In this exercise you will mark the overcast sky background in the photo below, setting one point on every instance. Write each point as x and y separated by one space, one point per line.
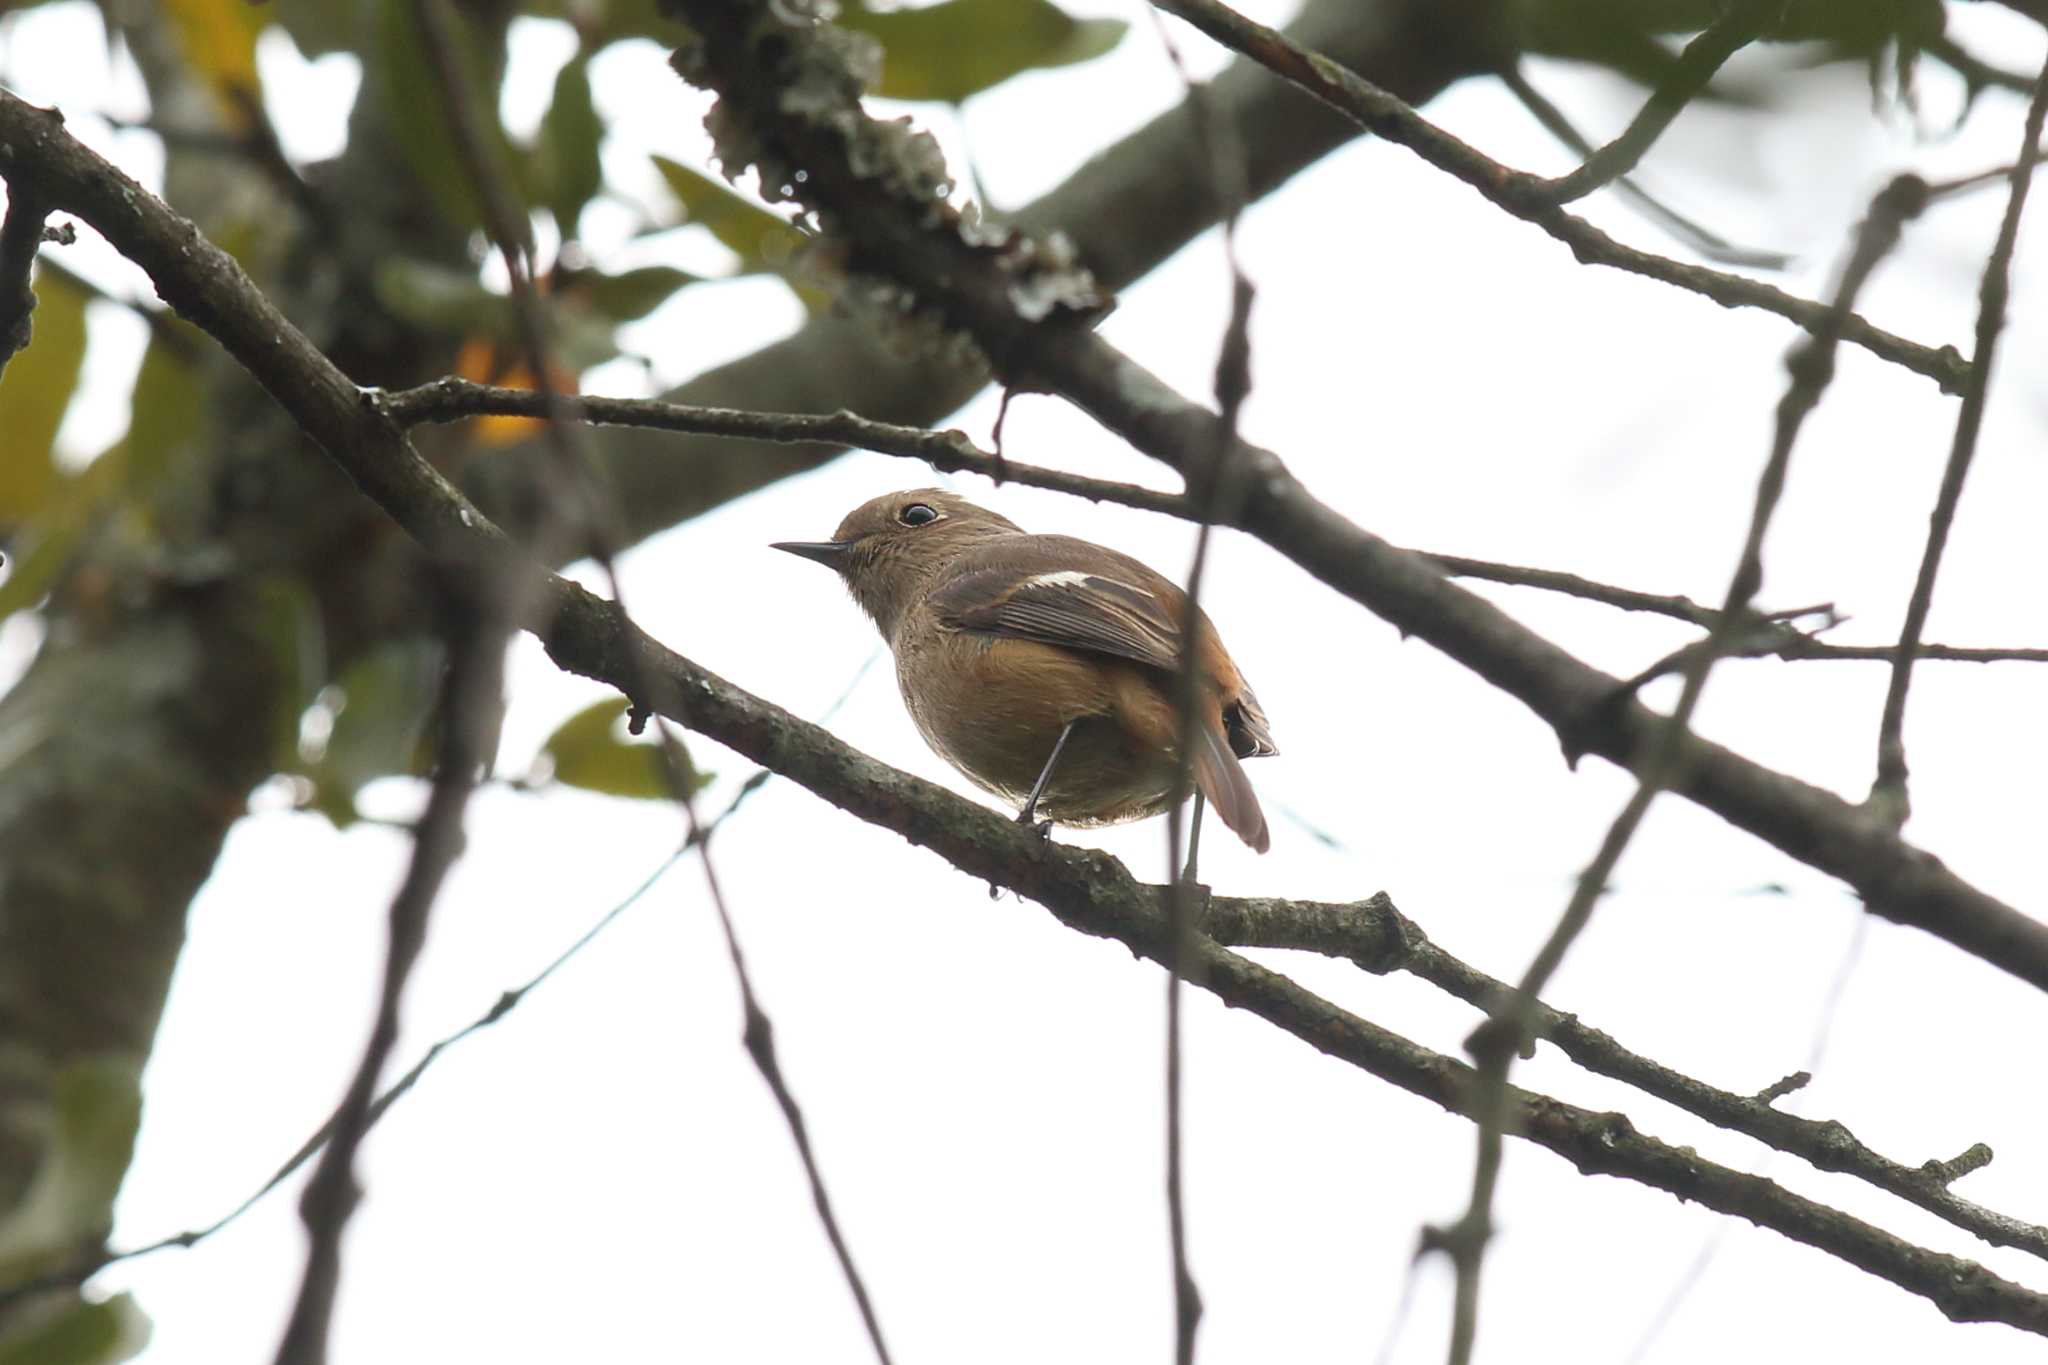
603 1176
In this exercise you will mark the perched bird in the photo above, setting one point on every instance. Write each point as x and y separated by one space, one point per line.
1046 668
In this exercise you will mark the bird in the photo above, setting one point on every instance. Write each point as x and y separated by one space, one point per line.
1046 668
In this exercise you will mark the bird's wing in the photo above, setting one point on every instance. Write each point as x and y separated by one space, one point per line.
1066 592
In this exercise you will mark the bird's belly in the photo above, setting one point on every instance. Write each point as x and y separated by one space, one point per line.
995 708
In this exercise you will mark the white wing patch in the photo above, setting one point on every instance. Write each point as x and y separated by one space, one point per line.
1073 578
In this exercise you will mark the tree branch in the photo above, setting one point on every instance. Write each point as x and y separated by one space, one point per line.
1888 794
1374 934
21 237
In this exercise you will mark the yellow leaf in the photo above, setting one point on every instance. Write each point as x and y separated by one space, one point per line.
219 39
480 361
34 393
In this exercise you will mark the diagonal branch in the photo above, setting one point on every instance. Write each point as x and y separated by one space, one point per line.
1888 794
1374 934
1689 75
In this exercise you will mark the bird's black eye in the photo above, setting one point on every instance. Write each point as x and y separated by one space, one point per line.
917 514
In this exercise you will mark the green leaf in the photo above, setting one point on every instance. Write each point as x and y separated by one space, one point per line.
566 170
34 394
958 48
417 109
386 699
78 1333
455 302
762 241
70 1199
628 295
587 751
319 27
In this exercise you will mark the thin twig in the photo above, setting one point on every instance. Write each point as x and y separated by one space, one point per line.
1210 483
1889 797
1738 26
1977 74
1526 196
1823 1030
578 468
951 452
469 705
1495 1045
1695 235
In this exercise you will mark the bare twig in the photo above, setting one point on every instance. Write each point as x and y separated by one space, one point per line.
1888 794
951 452
1977 74
1738 25
1695 235
576 468
468 710
1211 486
1528 197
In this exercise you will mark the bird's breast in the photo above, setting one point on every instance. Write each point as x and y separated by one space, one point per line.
994 708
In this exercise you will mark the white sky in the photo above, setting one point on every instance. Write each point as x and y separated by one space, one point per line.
602 1176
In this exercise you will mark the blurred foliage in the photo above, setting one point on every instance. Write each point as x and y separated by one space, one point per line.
65 1212
377 715
1636 40
959 48
587 750
218 37
35 393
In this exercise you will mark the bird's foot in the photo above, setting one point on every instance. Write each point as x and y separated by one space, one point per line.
1029 819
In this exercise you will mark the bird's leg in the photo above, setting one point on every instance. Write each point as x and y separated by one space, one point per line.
1029 815
1187 871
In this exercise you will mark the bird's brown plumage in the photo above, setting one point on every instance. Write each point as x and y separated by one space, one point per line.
1002 638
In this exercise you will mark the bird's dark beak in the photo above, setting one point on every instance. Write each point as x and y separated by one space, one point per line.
827 552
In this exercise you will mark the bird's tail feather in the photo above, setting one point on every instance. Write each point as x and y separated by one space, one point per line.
1221 778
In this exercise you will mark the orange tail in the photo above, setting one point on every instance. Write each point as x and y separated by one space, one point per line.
1221 778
